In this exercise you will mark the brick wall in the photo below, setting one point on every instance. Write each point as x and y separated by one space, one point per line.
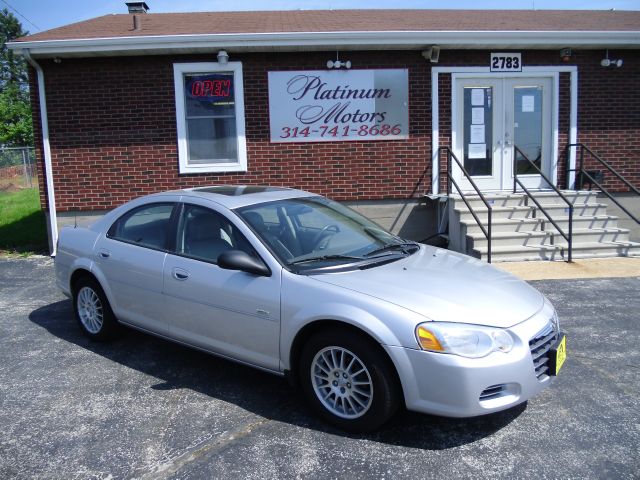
113 127
609 113
113 133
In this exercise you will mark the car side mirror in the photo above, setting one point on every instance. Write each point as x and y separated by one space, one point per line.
242 261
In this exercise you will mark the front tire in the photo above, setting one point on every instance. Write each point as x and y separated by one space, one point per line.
348 380
92 310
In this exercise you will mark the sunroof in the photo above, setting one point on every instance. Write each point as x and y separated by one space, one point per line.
235 190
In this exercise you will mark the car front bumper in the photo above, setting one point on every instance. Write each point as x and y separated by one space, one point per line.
454 386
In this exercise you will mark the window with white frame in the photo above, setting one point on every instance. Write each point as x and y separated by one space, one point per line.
210 117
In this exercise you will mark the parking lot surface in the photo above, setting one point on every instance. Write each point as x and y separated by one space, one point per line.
142 407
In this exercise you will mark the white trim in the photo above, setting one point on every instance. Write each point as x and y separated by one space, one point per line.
461 72
555 124
179 69
435 133
573 126
389 39
454 123
48 168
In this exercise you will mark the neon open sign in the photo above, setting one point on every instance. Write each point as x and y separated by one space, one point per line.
211 88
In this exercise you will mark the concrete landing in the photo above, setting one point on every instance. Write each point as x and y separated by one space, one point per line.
581 268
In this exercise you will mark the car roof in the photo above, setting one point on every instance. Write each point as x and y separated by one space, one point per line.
235 196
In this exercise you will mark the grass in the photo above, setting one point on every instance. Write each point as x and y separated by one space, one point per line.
22 223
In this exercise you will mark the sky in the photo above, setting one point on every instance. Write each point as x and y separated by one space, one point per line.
40 15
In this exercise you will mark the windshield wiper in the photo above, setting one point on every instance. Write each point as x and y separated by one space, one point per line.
393 246
325 257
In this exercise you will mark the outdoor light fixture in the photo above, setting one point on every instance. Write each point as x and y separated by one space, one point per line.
432 54
607 62
337 63
565 54
223 57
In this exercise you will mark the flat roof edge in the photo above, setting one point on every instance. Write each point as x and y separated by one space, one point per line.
445 39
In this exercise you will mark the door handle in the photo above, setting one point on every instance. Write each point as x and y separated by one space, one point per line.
104 253
180 274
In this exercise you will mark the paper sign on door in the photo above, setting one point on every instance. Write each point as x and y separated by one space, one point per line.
477 97
477 134
528 103
477 150
477 116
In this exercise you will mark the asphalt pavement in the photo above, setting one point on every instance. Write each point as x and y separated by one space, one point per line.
142 407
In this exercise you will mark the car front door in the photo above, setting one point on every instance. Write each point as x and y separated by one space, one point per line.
232 313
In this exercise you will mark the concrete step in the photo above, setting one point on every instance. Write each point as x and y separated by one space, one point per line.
521 231
520 199
536 238
539 224
510 212
559 252
582 197
555 210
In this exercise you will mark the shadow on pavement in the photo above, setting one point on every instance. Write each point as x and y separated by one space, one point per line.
179 367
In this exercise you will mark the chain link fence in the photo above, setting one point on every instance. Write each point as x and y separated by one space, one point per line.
17 168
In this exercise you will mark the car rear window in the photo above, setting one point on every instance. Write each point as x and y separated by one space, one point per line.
146 226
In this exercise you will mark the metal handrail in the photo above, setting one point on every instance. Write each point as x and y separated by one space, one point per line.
584 173
569 237
485 231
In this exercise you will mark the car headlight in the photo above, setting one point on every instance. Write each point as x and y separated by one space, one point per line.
461 339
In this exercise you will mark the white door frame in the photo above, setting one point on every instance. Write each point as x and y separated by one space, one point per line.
550 71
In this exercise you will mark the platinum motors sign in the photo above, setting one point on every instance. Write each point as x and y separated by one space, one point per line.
339 105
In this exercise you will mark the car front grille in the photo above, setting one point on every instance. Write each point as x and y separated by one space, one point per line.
540 346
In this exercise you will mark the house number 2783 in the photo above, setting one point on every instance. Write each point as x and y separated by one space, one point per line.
506 62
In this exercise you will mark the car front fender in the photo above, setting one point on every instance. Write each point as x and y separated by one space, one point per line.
306 302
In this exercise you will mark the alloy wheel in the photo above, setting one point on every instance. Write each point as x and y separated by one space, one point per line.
90 310
342 382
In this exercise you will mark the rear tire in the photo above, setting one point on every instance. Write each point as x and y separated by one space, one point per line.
348 380
92 310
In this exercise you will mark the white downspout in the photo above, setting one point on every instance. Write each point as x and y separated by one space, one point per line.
51 198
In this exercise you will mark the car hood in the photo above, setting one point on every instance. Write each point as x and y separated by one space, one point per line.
445 286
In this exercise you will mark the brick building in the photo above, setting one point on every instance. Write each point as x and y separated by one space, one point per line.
138 103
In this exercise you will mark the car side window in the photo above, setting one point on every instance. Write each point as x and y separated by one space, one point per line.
147 226
204 234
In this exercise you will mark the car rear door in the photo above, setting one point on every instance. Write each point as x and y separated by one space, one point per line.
232 313
131 257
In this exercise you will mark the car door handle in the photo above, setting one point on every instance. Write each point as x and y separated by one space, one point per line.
180 274
104 253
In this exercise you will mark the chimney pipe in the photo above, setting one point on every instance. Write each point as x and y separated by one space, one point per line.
137 7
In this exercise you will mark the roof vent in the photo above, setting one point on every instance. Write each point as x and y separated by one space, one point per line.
137 7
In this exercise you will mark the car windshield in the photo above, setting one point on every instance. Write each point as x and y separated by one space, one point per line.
314 232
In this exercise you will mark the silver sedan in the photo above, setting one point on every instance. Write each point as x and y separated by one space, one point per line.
293 283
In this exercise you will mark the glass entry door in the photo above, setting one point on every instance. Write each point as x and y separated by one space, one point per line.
491 116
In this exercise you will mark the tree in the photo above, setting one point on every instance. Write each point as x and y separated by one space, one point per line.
16 128
15 108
